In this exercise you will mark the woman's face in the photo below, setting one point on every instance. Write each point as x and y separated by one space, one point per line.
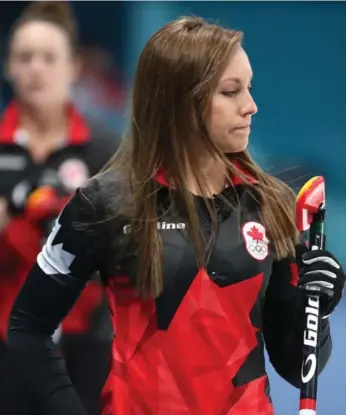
41 66
232 105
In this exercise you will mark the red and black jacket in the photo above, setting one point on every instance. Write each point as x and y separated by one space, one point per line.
198 349
33 190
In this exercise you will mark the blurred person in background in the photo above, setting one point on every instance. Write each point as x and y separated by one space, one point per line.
47 150
197 245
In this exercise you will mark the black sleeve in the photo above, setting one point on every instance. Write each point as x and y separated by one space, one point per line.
283 322
71 254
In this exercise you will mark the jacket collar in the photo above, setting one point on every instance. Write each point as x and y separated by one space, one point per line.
236 180
9 126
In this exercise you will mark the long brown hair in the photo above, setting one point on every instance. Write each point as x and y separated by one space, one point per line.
176 75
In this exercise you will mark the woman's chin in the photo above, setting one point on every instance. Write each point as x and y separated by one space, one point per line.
236 144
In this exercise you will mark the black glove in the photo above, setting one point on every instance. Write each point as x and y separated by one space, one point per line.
321 273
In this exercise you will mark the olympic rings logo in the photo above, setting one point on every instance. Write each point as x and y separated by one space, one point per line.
259 249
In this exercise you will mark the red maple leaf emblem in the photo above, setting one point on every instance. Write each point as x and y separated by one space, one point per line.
255 234
195 360
214 322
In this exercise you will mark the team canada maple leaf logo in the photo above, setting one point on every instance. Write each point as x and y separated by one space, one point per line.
256 241
255 234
